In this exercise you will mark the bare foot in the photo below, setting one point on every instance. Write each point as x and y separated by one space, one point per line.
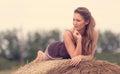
39 57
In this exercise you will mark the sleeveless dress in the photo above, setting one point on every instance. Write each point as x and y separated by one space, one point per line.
57 50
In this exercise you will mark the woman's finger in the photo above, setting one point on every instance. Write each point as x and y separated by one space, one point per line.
77 62
74 61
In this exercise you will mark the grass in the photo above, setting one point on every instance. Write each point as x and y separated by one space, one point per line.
109 56
7 64
6 71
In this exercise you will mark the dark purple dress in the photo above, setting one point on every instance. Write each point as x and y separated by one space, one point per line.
58 50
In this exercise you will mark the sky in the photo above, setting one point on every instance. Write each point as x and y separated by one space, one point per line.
37 15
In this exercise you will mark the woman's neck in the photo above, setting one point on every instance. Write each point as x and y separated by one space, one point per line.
82 31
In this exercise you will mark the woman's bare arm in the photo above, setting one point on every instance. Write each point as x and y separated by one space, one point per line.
76 60
72 50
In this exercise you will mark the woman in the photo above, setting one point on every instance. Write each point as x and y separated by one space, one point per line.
79 42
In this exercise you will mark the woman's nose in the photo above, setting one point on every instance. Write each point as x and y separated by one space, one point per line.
74 22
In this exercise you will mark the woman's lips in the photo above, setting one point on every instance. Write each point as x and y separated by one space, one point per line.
76 28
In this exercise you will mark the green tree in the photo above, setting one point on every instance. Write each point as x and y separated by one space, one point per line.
13 45
108 40
40 40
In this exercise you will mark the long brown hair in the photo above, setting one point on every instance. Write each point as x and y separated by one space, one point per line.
88 36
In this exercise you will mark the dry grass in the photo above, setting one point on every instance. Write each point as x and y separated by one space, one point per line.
6 71
63 67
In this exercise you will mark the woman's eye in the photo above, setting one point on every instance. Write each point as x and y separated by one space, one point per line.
78 20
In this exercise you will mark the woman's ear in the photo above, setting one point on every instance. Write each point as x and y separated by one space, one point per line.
86 22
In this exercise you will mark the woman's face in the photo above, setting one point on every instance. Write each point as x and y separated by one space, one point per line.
78 21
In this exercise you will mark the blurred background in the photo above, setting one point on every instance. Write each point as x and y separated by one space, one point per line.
27 26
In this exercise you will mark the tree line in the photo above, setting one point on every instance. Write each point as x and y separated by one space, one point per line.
15 46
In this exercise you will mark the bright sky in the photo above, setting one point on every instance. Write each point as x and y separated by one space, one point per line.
34 15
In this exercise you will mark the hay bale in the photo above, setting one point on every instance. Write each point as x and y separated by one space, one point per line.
63 67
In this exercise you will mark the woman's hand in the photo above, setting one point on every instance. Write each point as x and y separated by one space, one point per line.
75 60
77 35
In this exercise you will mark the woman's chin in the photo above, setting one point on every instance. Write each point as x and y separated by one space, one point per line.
77 29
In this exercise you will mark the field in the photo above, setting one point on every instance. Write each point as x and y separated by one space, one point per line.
6 71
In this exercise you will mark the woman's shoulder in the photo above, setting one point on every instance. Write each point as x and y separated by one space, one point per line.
68 33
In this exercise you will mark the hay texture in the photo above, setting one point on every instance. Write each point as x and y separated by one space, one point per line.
63 67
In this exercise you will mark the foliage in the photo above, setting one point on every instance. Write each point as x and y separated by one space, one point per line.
109 56
9 44
8 64
109 40
39 41
14 46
